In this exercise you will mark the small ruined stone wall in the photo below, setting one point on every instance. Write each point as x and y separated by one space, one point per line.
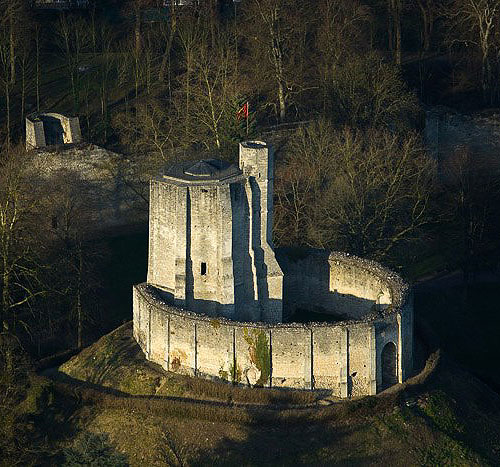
344 357
36 129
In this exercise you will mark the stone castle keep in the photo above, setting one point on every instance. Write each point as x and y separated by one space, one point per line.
210 237
220 301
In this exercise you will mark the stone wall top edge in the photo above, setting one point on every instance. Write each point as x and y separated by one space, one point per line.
36 115
255 144
400 289
149 294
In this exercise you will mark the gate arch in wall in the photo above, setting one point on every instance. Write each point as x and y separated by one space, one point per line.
357 355
389 365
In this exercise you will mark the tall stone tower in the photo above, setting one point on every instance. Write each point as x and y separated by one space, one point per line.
257 163
210 229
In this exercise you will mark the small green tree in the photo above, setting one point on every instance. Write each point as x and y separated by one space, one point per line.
91 449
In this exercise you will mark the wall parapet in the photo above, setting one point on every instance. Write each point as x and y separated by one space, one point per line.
345 357
337 283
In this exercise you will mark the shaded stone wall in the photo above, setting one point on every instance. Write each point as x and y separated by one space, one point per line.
332 283
343 357
92 174
256 160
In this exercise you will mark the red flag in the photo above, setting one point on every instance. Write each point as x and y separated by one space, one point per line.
243 112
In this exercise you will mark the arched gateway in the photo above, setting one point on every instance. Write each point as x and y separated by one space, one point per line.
389 365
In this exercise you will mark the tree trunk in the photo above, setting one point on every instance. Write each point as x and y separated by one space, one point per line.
37 38
12 51
278 65
137 32
23 88
79 298
486 77
394 29
5 297
426 32
188 92
282 101
7 105
166 54
390 27
397 31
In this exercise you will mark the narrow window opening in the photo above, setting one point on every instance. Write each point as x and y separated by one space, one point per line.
203 269
204 191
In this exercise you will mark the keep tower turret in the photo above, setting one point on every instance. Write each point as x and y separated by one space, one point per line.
256 160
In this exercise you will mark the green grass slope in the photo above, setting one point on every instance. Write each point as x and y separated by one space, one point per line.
451 419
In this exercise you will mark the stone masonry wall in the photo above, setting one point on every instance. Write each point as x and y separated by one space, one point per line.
343 286
344 357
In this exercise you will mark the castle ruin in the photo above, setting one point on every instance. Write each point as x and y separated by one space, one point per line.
220 302
51 129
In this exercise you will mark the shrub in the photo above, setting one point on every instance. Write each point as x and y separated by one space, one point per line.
92 449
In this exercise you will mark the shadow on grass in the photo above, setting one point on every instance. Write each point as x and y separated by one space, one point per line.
318 444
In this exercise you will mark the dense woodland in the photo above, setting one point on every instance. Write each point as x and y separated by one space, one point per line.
341 86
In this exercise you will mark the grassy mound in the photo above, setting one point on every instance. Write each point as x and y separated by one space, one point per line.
115 361
453 420
450 418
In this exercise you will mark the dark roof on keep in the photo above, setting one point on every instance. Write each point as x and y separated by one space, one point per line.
202 171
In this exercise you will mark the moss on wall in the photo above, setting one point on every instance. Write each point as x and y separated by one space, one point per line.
215 323
259 353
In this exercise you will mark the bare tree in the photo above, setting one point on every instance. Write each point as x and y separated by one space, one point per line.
38 39
366 192
71 204
190 36
279 34
339 36
430 10
473 22
73 39
168 32
395 8
215 87
150 131
367 91
26 70
19 201
13 17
